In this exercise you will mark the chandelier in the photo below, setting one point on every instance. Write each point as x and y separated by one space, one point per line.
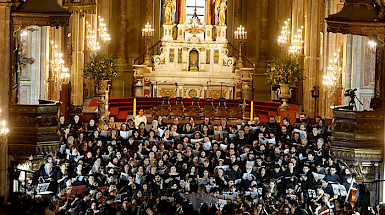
293 41
61 73
284 37
103 33
334 71
92 38
98 36
296 43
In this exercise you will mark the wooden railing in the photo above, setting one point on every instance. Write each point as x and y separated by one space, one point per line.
235 53
140 59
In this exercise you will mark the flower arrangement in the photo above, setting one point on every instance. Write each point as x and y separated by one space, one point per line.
100 68
284 70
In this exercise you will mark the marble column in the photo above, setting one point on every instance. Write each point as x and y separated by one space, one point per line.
149 12
379 90
264 31
5 61
209 11
182 9
311 52
78 24
122 33
237 13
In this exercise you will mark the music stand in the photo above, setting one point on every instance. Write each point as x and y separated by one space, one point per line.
42 188
78 190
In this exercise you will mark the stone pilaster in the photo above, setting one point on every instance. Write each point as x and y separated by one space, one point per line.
122 33
237 13
330 43
5 61
182 11
209 11
264 31
379 91
78 55
311 52
149 12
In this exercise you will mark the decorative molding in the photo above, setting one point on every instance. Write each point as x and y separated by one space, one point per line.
352 154
81 7
27 19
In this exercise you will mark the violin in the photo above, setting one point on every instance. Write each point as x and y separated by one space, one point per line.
318 198
63 197
113 193
101 200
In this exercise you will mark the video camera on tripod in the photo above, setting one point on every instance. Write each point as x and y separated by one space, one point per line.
352 94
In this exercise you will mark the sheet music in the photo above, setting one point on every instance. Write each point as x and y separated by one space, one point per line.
318 176
252 163
196 140
203 181
252 194
104 133
271 141
224 167
124 176
160 132
105 156
223 147
339 190
62 148
111 165
243 157
77 158
254 128
43 187
124 134
206 146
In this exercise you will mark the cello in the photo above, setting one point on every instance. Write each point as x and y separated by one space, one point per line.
352 193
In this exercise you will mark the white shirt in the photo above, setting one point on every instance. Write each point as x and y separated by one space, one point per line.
139 119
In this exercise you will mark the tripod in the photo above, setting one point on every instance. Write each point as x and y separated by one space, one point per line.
352 102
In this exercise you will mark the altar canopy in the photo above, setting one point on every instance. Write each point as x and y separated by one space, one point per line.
194 59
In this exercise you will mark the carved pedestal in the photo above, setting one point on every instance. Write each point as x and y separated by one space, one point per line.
167 32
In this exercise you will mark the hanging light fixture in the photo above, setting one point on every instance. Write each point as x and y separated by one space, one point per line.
98 36
92 40
103 33
60 72
293 41
334 71
284 37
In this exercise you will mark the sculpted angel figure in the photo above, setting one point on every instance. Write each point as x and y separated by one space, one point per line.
220 8
170 8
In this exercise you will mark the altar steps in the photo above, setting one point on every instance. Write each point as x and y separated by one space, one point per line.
153 106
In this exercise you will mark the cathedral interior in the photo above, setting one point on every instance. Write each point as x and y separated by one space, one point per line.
119 61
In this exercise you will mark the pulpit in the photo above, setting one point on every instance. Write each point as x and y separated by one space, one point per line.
358 141
33 129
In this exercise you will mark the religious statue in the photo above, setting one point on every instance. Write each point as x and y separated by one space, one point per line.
170 8
220 8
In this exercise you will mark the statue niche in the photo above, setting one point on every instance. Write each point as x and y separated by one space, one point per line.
193 60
